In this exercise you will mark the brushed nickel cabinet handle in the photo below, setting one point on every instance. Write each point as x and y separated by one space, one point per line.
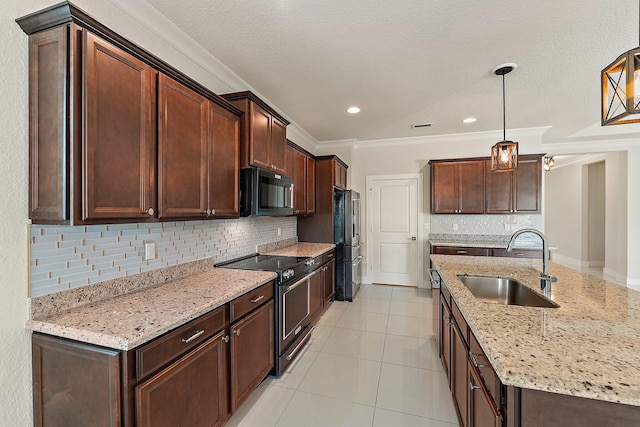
256 299
193 337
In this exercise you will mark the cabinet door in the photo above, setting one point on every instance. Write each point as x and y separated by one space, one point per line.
340 175
316 293
260 131
444 188
459 381
482 412
527 185
118 165
445 341
299 183
224 162
252 352
190 392
329 280
278 142
182 150
311 186
499 191
471 187
288 160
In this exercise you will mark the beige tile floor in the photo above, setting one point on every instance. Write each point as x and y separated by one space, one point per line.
371 363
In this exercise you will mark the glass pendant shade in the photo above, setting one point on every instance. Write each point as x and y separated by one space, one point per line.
621 89
504 156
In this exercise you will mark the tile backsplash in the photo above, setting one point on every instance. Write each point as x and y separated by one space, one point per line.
483 224
63 257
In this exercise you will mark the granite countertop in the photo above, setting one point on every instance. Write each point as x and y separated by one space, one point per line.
134 318
525 241
303 249
588 347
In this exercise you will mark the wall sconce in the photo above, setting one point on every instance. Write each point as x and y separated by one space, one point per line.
504 154
621 89
548 163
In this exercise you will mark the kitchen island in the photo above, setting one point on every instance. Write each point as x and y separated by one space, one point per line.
587 348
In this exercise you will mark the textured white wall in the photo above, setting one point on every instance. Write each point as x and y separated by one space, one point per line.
15 361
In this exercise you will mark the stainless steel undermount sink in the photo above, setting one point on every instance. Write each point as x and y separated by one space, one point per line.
504 290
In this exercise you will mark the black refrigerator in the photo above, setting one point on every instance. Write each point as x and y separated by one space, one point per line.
346 230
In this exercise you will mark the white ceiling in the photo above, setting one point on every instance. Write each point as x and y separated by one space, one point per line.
417 61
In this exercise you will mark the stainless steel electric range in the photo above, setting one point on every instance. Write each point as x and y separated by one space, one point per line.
292 312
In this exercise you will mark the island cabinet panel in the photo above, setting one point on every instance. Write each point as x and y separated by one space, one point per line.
182 150
482 410
75 384
252 352
445 338
190 392
457 187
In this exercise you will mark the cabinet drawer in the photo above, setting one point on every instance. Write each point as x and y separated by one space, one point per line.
159 352
459 250
481 363
251 300
328 256
517 253
462 324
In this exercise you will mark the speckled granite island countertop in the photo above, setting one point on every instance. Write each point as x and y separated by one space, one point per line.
589 347
134 318
303 249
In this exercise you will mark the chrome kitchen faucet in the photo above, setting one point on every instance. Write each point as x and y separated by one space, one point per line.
545 277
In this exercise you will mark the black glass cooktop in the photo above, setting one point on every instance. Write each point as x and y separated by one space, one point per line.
264 263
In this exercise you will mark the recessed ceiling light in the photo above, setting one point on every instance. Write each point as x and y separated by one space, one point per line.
469 120
353 110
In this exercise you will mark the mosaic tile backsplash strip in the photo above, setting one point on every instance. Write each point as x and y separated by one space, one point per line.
64 257
483 224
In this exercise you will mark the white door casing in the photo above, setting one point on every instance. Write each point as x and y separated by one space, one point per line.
395 238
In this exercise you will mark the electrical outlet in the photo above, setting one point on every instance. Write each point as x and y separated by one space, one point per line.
279 231
149 250
455 227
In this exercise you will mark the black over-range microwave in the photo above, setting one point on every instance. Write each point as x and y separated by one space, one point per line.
264 192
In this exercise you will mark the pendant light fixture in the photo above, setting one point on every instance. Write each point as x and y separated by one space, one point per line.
621 89
548 163
504 154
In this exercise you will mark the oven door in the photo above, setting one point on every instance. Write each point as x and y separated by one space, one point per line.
294 313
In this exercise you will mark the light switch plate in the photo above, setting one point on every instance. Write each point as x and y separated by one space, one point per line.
455 227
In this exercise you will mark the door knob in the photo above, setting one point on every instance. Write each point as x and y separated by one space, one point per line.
412 238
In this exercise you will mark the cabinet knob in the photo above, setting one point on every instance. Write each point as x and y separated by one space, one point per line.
150 211
213 212
225 338
473 387
237 332
207 212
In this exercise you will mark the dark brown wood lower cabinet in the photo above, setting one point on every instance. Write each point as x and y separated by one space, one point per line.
252 352
459 381
188 392
482 411
75 384
445 339
329 282
316 293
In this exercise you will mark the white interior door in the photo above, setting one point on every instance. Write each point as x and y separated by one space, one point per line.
393 230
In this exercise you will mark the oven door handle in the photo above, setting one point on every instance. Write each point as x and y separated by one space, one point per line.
286 289
302 342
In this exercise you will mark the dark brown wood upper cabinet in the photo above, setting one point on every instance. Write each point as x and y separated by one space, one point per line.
518 191
262 133
457 187
303 168
311 186
198 145
224 162
340 175
182 151
92 130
